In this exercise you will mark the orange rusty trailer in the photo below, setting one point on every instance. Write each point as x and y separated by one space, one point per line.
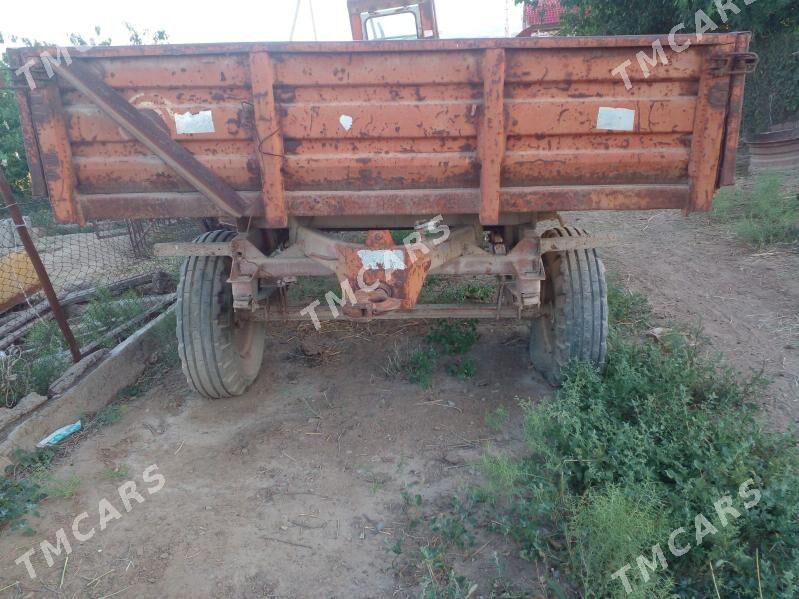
468 142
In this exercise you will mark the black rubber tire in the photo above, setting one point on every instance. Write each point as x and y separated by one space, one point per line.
574 302
220 355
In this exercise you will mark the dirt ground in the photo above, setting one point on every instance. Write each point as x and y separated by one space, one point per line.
695 272
293 489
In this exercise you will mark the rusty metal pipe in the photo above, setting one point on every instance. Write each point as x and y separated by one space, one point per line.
38 266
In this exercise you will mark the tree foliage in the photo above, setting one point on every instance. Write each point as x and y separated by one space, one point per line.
772 92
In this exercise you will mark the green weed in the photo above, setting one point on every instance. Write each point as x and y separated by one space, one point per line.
18 498
495 420
439 580
611 527
440 289
628 311
46 347
453 337
462 369
59 487
620 457
111 414
21 489
105 313
419 366
765 212
308 289
116 474
40 360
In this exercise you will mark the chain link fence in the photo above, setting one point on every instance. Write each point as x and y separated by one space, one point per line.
105 275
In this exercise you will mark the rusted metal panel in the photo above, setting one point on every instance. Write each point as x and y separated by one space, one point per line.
38 184
579 116
734 117
56 151
385 129
388 203
269 137
491 136
708 134
148 132
160 205
590 166
390 120
242 49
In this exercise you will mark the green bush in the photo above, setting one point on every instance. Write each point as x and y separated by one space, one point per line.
106 312
419 366
40 360
21 489
767 212
441 289
453 337
642 449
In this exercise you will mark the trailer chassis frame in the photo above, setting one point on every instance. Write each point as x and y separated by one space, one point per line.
381 279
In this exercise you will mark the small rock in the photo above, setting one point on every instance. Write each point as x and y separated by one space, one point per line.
452 458
310 347
657 333
164 556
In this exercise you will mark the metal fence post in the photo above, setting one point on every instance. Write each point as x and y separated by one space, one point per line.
38 266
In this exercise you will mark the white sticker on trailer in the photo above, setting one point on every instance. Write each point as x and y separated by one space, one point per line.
201 122
616 119
382 259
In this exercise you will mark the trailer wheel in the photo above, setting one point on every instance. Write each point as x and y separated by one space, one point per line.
574 306
220 354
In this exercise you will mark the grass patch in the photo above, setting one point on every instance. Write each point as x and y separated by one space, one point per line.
420 365
445 338
622 458
308 289
440 289
32 366
21 487
496 420
453 337
765 212
116 474
462 369
60 487
106 312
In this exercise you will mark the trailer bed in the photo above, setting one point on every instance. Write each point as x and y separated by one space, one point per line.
493 128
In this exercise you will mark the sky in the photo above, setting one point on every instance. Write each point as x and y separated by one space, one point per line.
231 20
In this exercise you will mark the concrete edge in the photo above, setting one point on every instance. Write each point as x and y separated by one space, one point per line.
123 365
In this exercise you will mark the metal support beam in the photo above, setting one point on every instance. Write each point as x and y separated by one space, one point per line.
154 137
422 311
491 135
38 266
269 139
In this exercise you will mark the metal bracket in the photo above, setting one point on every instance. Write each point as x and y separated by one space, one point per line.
733 63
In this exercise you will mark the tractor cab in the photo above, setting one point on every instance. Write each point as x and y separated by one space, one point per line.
391 20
